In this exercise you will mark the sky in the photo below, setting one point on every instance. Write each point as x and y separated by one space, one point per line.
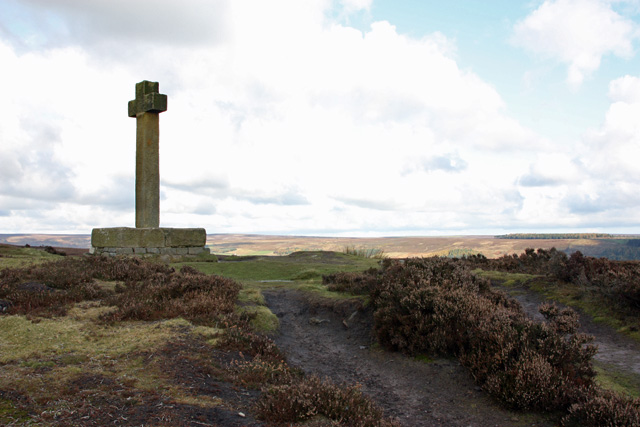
325 117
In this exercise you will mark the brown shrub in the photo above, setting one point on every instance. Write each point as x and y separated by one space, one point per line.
48 289
257 372
198 298
599 408
436 305
125 269
149 290
619 281
239 338
311 396
355 283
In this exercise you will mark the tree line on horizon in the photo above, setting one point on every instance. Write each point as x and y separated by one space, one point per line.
555 236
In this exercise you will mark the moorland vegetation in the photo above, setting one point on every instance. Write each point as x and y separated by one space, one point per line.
439 306
90 340
86 340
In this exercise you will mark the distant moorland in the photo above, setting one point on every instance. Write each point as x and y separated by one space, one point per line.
615 247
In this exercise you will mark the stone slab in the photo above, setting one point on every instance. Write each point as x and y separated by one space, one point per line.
185 237
127 237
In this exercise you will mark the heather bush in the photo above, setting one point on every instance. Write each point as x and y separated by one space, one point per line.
618 281
147 291
258 372
198 298
260 362
288 396
309 397
437 306
239 338
598 408
412 300
355 283
125 269
48 289
63 274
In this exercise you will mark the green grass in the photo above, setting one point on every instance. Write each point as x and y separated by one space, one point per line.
9 413
13 257
424 358
300 271
314 287
611 378
251 296
505 279
53 352
264 320
297 266
77 334
365 252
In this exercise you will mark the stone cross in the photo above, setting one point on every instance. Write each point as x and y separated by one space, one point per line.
146 108
148 239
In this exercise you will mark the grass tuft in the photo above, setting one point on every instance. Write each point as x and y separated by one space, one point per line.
365 252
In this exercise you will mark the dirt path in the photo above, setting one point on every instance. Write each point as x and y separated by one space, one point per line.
613 347
336 343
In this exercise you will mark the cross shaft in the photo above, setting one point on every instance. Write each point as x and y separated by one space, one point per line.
146 108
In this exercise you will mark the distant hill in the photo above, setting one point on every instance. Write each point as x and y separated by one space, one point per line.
59 240
613 247
616 247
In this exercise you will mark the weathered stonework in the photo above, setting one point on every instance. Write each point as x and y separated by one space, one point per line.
146 109
148 241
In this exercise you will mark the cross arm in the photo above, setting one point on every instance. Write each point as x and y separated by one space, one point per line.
148 99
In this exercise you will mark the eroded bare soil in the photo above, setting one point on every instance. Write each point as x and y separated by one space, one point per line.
335 341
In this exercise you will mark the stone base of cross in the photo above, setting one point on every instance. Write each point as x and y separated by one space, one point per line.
148 237
148 241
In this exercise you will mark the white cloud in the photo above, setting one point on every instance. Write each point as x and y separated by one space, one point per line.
625 89
613 149
552 169
592 183
606 178
282 121
59 23
578 33
354 5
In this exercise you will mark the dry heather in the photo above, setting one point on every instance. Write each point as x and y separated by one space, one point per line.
94 340
437 306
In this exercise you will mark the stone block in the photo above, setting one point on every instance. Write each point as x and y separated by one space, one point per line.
185 237
142 241
126 237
